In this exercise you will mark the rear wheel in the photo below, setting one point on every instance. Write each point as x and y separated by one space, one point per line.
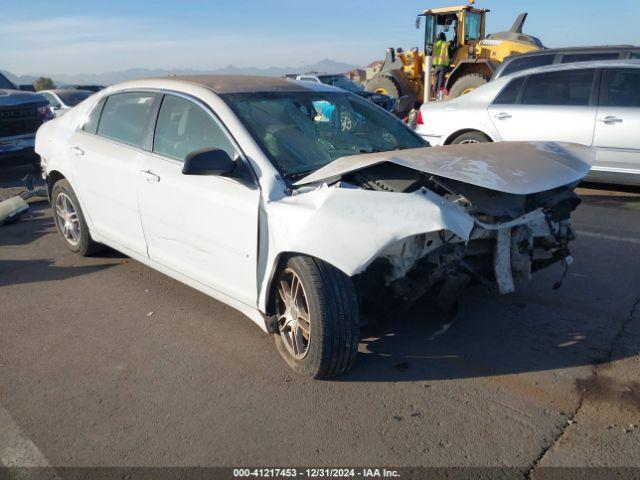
470 137
466 84
317 311
70 221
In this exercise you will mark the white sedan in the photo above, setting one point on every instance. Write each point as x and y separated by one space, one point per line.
64 99
303 206
591 103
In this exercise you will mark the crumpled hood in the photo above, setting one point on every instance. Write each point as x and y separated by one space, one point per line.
10 98
519 168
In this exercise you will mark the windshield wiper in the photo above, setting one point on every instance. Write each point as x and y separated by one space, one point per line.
296 175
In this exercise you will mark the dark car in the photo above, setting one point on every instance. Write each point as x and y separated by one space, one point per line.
341 81
21 113
542 58
91 88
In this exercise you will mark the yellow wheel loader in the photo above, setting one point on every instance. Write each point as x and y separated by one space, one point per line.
408 76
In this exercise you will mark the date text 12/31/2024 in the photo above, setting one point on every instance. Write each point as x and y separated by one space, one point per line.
315 473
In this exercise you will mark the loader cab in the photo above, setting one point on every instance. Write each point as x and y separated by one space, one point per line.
463 26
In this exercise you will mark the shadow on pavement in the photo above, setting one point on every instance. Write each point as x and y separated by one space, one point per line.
14 272
33 224
491 335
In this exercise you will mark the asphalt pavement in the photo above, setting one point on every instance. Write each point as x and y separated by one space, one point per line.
105 362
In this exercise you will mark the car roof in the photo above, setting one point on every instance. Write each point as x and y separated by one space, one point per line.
65 90
587 49
574 66
222 84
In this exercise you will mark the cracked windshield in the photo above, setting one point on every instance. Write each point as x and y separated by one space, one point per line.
304 131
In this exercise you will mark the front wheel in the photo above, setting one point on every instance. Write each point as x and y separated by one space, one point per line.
470 137
317 311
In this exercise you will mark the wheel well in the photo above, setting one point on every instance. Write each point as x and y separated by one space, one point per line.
278 265
453 136
53 177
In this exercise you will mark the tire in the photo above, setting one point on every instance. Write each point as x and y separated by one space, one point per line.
466 83
385 85
471 137
70 220
330 305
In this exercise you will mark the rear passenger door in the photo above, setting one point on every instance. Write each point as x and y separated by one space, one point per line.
108 152
617 135
551 106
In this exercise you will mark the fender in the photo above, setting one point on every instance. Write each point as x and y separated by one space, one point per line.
349 228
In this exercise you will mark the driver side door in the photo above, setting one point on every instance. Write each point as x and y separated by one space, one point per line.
202 226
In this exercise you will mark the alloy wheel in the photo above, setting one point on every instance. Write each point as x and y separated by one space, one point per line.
67 218
293 315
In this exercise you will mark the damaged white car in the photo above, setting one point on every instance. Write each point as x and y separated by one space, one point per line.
305 207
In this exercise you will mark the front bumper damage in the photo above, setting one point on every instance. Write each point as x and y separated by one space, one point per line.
497 255
405 224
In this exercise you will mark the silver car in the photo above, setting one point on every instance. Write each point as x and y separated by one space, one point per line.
591 103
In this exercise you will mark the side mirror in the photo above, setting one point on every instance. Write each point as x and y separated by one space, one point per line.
208 161
27 88
418 21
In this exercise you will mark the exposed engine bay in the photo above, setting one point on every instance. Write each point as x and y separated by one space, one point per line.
514 235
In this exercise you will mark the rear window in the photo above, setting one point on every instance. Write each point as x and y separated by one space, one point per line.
569 88
623 89
125 115
509 94
589 57
527 62
72 98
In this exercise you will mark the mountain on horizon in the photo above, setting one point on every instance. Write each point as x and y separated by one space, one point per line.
107 78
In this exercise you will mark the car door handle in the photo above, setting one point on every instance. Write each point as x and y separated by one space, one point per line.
502 116
150 176
609 120
77 150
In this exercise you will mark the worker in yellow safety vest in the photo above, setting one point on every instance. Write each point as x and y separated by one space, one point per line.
441 61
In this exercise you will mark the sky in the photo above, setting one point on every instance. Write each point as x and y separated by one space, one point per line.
95 36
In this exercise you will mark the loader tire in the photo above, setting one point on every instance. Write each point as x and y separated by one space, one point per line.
384 85
466 84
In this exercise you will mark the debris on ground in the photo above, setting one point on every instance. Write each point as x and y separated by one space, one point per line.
13 207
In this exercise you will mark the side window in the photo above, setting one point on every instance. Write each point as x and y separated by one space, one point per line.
125 116
589 57
51 99
635 54
623 89
567 87
91 123
524 63
184 127
509 94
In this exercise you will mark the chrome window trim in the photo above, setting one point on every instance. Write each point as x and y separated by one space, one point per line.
163 91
